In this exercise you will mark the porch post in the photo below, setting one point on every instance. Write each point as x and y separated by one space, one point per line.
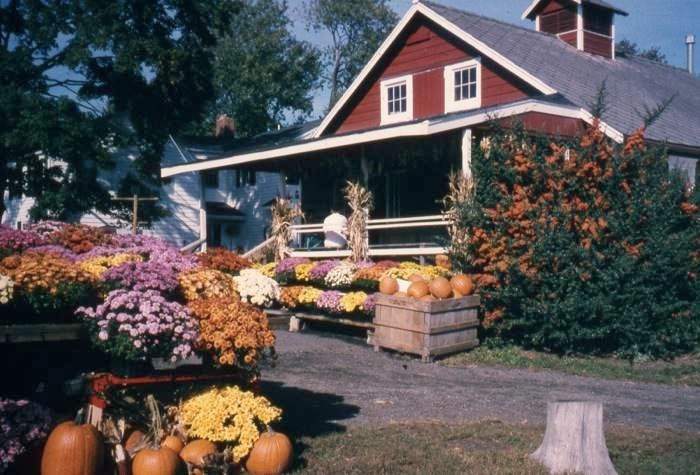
467 152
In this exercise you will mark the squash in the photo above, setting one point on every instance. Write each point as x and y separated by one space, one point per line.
388 286
173 442
161 461
195 451
136 441
462 284
271 455
440 288
418 289
73 449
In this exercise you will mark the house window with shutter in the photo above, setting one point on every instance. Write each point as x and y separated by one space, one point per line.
462 86
397 100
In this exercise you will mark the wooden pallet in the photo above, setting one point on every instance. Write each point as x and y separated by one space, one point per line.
427 329
38 333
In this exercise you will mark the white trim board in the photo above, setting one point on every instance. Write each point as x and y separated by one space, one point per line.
419 8
415 129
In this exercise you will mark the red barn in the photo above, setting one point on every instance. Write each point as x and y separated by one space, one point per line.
423 101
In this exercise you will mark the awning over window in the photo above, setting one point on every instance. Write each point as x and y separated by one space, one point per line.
223 211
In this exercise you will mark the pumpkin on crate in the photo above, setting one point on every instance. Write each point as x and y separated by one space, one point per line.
462 284
73 449
271 455
440 288
418 289
388 286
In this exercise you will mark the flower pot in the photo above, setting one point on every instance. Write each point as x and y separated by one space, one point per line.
164 364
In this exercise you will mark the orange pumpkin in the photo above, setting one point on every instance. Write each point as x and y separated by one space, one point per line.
271 455
427 298
388 286
73 449
441 260
418 289
162 461
402 295
195 451
173 442
416 278
463 284
440 288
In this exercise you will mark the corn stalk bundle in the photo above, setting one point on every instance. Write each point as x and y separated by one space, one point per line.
361 202
283 216
460 195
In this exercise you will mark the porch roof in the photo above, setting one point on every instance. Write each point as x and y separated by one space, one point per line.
303 144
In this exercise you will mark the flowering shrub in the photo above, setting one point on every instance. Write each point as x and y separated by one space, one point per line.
228 415
137 275
308 296
135 325
21 423
14 240
289 296
54 250
80 238
6 286
321 269
340 276
224 260
353 302
46 228
207 284
302 272
35 271
235 332
268 270
284 270
329 301
97 266
257 289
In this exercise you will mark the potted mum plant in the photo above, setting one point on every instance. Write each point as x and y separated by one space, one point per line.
139 327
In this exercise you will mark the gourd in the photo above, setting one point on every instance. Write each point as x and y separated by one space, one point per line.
195 451
440 288
156 459
271 455
173 442
73 449
418 289
462 284
160 461
388 286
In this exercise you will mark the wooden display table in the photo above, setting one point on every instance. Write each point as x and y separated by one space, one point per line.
427 329
40 332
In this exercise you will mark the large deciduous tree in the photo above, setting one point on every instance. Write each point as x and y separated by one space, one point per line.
630 48
263 76
68 66
356 29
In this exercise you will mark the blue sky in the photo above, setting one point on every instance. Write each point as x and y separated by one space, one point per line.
662 23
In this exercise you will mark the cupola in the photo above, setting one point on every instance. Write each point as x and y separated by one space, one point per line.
589 25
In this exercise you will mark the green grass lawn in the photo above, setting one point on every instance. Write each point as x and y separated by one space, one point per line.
483 448
682 371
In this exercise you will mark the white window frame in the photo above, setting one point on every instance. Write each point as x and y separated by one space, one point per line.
405 116
465 104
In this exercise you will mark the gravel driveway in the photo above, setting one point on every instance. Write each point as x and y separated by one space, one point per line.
324 383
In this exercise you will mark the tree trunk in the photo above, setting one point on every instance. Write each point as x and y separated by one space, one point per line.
574 440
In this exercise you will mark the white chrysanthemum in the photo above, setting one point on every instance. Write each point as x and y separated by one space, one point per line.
340 276
6 289
256 288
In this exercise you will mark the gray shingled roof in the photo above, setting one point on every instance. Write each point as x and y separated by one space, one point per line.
632 84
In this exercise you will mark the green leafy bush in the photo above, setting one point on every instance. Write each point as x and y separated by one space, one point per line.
586 247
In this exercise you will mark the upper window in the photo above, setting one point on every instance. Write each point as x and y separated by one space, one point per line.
397 100
245 177
462 86
211 178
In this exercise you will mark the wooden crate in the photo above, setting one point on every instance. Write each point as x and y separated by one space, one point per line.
427 329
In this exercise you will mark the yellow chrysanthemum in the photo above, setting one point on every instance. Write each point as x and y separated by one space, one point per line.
308 295
353 301
97 266
268 270
302 272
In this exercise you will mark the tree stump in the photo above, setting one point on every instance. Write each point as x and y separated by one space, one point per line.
574 440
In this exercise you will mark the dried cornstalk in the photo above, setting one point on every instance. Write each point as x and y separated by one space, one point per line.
460 193
360 201
283 216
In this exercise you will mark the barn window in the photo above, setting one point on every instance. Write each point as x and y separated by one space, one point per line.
397 100
462 88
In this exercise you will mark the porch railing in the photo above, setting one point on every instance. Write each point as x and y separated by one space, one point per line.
418 249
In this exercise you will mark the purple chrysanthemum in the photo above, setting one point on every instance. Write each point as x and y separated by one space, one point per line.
329 301
322 268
